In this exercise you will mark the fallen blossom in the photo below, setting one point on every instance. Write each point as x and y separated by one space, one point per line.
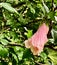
37 41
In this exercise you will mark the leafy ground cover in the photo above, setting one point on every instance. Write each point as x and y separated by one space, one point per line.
19 20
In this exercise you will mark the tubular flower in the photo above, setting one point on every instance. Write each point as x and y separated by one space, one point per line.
37 41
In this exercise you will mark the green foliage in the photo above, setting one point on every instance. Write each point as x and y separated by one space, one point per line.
8 7
19 20
28 33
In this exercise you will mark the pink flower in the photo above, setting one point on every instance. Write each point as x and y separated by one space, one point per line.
37 41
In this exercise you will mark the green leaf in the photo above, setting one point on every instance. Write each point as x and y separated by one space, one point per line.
54 35
28 33
51 40
53 56
20 55
27 54
55 1
32 10
55 18
8 7
51 15
42 8
44 56
1 36
15 57
3 52
4 42
46 8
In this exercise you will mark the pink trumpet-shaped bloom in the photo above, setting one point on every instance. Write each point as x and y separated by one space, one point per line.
37 41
